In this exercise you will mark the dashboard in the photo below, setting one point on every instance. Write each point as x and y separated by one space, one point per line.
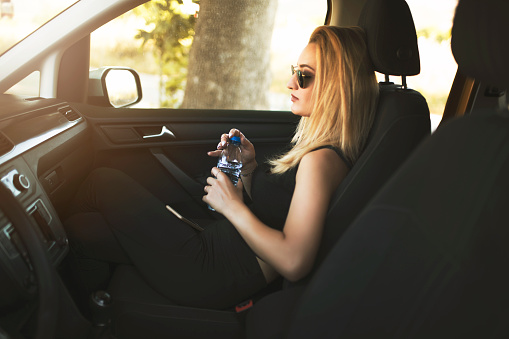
41 158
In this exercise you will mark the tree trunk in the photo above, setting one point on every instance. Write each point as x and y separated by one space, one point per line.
229 61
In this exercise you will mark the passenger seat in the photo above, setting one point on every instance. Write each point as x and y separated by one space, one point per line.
428 257
402 118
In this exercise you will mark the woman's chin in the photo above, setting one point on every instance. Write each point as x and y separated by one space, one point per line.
300 112
295 109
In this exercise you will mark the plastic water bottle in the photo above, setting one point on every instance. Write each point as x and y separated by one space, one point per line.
230 161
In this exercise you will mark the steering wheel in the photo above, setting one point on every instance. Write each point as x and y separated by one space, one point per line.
45 273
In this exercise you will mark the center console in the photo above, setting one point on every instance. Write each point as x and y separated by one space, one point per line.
27 137
20 180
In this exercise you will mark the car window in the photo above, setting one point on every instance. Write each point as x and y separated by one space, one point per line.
242 53
19 18
433 22
138 39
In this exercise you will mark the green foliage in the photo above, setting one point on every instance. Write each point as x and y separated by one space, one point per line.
170 35
435 34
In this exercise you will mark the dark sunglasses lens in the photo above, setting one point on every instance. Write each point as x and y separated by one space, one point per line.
300 78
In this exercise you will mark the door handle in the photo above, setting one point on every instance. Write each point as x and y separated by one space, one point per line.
164 131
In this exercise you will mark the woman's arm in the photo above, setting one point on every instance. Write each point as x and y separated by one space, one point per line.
246 175
292 251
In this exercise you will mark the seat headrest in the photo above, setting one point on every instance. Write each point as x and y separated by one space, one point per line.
479 42
391 37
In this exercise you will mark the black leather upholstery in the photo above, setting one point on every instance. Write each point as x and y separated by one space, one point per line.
402 122
428 257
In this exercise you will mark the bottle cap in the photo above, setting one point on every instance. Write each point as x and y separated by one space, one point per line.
235 140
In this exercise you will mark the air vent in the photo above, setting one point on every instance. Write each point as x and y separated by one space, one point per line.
69 113
5 145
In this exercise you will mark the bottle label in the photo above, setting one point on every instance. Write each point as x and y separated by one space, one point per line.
231 169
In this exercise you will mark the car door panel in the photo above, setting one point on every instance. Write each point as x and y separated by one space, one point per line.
174 164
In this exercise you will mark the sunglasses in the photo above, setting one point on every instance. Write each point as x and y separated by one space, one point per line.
300 76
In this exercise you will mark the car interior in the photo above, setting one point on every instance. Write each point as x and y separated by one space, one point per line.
413 243
402 121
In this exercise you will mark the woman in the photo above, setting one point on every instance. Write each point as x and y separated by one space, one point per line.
334 90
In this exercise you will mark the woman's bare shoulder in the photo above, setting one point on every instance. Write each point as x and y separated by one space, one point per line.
324 160
323 156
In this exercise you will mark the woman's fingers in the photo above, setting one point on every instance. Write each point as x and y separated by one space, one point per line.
234 132
220 146
224 140
238 133
243 140
216 174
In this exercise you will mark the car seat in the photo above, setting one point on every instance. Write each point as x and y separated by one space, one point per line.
401 122
402 118
428 256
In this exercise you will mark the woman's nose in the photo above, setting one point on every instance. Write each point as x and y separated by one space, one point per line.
292 83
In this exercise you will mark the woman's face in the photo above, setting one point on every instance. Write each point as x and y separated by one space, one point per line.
301 97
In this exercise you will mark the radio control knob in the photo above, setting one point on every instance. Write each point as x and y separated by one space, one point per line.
21 182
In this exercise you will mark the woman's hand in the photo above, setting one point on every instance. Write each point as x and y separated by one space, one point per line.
221 193
246 147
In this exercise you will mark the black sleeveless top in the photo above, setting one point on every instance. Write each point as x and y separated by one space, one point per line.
271 194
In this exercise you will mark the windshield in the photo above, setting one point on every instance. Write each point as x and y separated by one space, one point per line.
19 18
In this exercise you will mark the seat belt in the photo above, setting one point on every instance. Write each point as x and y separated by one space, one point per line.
193 187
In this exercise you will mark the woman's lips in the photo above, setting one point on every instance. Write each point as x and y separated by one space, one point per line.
294 98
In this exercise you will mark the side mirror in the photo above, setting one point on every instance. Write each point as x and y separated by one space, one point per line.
114 87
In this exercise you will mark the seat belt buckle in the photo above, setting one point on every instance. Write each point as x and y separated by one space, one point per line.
243 306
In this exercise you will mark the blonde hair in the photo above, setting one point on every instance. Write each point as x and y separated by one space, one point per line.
345 94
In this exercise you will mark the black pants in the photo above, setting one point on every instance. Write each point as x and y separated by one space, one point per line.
116 220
